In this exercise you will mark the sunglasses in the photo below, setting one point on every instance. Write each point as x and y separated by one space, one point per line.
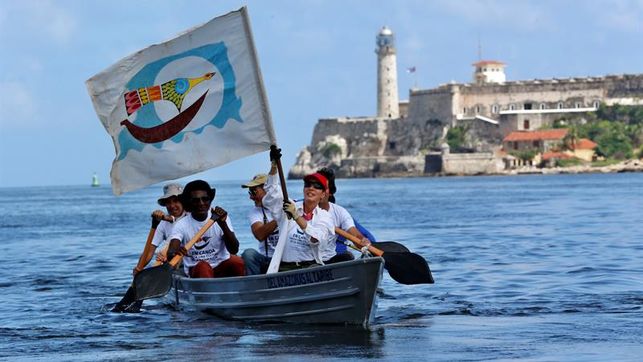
315 185
204 199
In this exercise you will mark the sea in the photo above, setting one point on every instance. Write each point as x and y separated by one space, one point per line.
533 267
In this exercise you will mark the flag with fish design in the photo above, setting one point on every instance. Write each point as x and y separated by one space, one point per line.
186 105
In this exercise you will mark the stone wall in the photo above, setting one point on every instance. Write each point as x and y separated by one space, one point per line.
471 163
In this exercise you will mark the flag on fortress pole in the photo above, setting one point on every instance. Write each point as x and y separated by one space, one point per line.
411 70
186 105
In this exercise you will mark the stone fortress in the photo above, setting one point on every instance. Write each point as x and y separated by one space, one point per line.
407 138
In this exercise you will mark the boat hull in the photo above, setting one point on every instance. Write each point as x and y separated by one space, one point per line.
341 293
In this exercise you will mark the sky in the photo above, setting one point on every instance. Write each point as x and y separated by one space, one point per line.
317 59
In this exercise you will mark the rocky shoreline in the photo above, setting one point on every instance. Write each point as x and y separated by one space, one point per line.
624 166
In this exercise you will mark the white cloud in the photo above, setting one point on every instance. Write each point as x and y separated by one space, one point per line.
623 15
42 19
518 15
16 104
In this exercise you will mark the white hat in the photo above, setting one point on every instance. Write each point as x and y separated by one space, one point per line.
170 190
259 179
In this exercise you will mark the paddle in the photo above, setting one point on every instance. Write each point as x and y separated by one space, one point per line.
404 267
390 246
157 281
130 295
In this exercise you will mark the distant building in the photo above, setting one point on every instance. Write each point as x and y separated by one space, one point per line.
489 71
397 140
387 94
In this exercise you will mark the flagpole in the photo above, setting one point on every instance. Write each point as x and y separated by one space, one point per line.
283 227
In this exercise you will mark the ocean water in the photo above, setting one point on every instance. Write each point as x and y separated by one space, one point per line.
540 268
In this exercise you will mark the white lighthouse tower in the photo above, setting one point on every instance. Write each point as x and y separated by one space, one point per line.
387 97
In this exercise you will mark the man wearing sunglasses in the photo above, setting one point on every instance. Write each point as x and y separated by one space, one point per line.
213 256
263 227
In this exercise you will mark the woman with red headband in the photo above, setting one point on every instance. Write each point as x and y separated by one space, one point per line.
310 236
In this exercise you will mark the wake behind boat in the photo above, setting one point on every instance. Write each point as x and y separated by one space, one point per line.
341 293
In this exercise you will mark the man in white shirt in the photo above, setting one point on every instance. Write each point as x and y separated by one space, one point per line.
263 227
213 255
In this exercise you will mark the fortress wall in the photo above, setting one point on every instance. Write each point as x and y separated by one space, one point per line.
346 127
363 136
471 163
549 92
412 135
480 99
431 104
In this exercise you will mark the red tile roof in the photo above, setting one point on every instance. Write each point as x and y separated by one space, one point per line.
487 62
558 155
584 144
546 134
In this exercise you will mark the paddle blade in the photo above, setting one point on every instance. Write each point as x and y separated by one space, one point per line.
390 246
153 282
128 299
407 268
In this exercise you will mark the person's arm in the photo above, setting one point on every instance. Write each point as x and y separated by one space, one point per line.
229 238
144 259
175 248
363 239
261 231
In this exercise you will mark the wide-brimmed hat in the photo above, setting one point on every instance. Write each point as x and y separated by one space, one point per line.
317 177
257 180
170 190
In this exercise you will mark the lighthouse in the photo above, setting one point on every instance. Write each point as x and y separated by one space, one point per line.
387 97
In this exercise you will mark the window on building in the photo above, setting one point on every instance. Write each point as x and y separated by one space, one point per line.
525 124
391 145
596 104
515 145
477 109
512 107
527 105
464 110
535 144
560 105
494 108
578 104
543 106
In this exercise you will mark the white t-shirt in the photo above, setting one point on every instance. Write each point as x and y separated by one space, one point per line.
299 246
164 230
342 220
210 248
257 215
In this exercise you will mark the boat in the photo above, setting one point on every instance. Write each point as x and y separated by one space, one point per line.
342 293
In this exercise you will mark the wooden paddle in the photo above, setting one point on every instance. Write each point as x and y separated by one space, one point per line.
130 295
404 267
157 281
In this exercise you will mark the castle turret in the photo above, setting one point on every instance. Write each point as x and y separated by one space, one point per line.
387 97
489 71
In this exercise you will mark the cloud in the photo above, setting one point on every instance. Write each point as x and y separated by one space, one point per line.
17 104
518 15
622 15
38 19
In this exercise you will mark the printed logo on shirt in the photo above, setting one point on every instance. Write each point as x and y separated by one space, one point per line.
205 239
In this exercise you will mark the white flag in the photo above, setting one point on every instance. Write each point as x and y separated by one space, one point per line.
184 106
